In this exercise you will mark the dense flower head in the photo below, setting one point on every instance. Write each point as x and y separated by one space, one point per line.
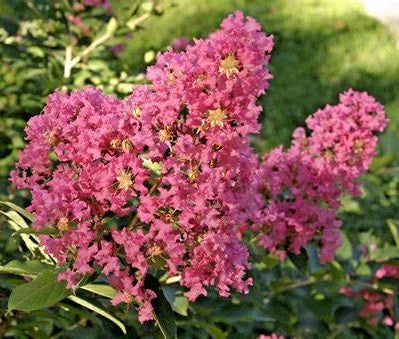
166 178
304 185
175 153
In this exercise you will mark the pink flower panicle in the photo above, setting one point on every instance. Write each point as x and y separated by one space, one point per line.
176 154
87 157
304 185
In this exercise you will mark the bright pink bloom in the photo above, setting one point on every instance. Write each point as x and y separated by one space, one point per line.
176 154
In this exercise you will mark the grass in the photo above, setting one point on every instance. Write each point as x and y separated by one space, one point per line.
322 47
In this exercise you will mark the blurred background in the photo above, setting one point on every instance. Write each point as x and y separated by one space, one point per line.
322 47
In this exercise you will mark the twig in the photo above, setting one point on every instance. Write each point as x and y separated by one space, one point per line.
298 284
71 63
67 64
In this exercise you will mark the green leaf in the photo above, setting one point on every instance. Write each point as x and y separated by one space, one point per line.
346 314
36 51
152 166
112 26
300 261
345 250
98 310
16 218
180 305
149 57
100 289
43 291
44 230
163 313
29 268
394 231
18 209
214 331
231 314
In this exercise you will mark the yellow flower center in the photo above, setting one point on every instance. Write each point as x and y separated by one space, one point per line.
124 180
193 173
358 146
229 65
126 145
174 75
136 112
200 78
165 134
216 117
115 143
127 298
62 224
52 138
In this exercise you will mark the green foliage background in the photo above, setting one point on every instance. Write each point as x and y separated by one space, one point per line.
322 47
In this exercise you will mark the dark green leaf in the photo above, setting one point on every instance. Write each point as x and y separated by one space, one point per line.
300 261
43 291
163 313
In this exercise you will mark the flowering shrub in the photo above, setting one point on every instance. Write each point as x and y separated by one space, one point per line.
379 305
172 163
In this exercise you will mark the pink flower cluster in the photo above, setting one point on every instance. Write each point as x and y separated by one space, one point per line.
378 306
173 164
303 185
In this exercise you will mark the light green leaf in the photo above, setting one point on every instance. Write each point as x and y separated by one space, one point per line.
100 289
29 268
45 230
180 305
98 310
18 209
345 251
394 231
16 218
43 291
112 26
36 51
149 57
152 166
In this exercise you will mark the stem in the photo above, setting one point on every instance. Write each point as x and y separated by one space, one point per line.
71 63
388 170
298 284
67 65
151 191
90 48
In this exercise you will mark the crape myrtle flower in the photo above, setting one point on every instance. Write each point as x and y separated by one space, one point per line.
303 185
173 162
86 160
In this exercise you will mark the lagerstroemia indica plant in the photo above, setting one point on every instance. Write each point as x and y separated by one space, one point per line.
173 162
